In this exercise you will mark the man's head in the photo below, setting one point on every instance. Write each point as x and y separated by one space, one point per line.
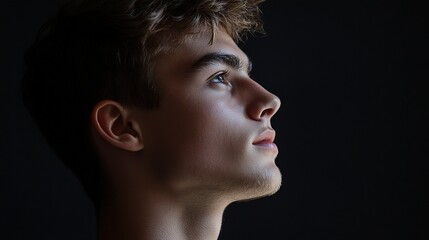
160 81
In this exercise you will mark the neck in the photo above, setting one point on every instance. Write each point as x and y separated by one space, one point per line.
155 215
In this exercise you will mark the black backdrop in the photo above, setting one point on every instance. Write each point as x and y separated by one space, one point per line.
352 129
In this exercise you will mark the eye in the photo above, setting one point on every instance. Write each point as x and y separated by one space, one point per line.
220 78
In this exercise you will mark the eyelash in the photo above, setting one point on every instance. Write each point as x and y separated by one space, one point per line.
223 75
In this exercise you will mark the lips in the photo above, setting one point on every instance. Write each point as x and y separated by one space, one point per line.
266 137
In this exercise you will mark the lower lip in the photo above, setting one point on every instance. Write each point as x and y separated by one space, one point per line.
267 145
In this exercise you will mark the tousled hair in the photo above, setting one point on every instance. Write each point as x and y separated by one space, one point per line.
105 49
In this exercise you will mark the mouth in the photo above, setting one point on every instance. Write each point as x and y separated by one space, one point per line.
266 140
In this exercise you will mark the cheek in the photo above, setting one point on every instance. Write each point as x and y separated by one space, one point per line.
202 136
217 125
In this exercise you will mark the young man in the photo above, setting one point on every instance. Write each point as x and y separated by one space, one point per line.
150 103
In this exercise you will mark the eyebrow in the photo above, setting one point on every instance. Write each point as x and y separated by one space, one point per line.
220 58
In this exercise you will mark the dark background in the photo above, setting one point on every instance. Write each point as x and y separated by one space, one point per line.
352 130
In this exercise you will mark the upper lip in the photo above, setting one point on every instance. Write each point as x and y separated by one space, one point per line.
266 136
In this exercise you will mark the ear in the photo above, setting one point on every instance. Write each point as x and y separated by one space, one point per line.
114 124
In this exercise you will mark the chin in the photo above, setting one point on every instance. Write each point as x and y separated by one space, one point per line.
262 185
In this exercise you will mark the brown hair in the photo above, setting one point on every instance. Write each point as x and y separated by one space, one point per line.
105 49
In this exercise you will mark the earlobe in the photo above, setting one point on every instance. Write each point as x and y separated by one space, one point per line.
114 124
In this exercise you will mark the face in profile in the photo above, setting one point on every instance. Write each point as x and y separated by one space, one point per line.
212 130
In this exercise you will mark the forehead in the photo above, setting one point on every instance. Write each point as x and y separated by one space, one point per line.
181 57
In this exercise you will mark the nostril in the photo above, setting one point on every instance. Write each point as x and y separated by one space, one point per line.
262 104
267 112
271 108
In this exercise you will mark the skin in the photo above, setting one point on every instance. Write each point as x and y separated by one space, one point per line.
171 172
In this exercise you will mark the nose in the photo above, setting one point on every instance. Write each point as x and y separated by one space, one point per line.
262 103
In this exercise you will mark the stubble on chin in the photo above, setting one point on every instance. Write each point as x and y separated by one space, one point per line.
261 185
